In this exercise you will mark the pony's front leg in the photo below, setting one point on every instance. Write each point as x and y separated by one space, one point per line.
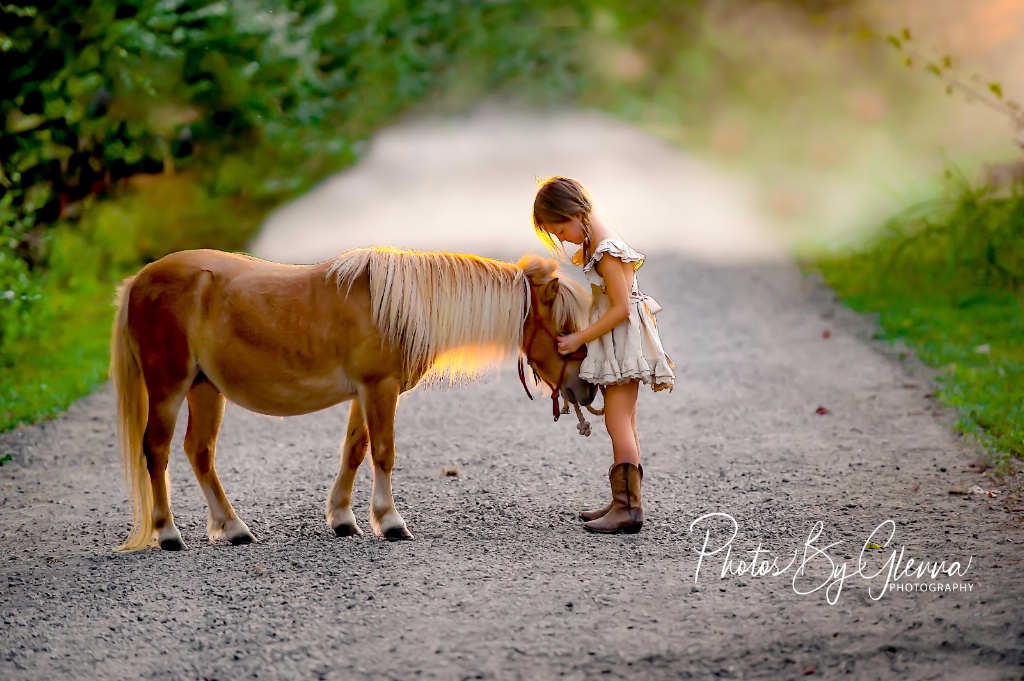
339 502
380 401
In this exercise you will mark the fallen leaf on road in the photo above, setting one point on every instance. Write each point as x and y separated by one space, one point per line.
826 334
974 489
869 545
822 410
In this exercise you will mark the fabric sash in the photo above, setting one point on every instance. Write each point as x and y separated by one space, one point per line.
653 306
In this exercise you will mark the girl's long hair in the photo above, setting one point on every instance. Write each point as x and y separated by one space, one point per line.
558 200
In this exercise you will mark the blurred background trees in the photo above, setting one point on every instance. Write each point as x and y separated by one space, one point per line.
248 97
129 129
202 115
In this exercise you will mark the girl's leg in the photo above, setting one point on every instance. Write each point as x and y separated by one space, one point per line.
617 398
620 420
636 433
626 511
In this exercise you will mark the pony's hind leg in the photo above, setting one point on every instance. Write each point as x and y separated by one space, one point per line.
339 502
156 446
380 400
205 414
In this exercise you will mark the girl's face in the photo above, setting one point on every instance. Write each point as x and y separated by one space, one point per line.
571 230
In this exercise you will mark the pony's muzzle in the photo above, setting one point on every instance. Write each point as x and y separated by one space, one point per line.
578 391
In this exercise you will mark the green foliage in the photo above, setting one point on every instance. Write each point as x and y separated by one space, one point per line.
131 129
19 289
945 68
95 92
972 241
948 279
65 356
197 117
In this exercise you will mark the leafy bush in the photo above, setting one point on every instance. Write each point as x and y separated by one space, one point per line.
968 241
197 117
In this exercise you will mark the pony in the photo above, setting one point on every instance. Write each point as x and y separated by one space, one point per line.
206 326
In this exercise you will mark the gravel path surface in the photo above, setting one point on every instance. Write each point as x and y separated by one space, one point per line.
501 580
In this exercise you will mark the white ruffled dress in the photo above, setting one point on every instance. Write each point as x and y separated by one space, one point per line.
632 350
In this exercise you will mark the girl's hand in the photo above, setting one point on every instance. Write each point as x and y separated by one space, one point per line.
569 344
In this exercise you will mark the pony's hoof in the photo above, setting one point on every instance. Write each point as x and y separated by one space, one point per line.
242 540
348 531
398 533
172 544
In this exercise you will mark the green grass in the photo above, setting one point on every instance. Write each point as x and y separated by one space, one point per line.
65 355
64 362
947 278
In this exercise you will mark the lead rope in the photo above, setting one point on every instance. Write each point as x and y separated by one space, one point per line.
598 412
584 425
528 305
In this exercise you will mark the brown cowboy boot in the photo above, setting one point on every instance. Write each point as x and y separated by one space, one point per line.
597 512
627 511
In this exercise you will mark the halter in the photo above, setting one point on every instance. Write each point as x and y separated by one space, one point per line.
579 354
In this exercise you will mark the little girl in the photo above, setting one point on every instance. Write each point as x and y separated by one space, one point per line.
623 346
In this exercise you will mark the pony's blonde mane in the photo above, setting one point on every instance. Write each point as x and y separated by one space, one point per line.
571 303
457 314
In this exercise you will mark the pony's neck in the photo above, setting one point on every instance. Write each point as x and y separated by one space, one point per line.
458 314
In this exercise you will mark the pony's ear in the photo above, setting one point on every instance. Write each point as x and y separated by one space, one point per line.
550 291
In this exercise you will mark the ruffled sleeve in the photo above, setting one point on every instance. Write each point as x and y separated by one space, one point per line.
618 248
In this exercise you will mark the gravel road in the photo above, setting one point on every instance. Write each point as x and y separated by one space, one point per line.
501 580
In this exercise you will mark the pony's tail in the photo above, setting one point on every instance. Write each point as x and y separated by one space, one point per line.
132 415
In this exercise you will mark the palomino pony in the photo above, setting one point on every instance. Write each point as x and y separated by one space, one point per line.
282 340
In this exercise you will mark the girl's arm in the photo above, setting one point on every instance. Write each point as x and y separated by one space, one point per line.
613 271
